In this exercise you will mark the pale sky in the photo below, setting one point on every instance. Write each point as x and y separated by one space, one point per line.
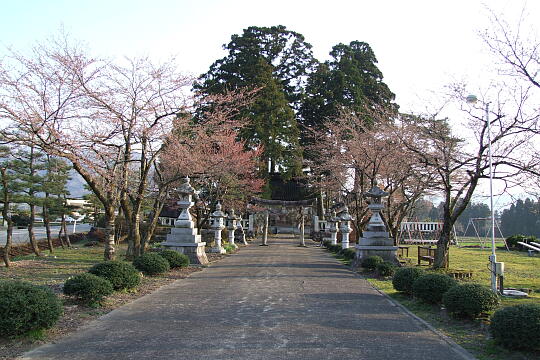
421 45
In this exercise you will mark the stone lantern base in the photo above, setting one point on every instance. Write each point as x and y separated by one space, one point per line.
187 242
195 251
376 243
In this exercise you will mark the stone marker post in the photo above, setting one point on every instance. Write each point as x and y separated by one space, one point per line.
333 225
265 231
345 228
302 235
231 226
217 226
183 237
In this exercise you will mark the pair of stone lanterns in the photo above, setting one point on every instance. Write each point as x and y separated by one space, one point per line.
345 227
234 223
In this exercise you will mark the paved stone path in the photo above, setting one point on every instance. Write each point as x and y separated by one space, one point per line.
276 302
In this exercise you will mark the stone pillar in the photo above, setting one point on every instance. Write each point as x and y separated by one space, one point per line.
240 229
302 240
265 230
217 226
315 221
183 237
231 226
345 228
333 225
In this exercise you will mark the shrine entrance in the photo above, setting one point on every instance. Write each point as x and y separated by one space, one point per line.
285 217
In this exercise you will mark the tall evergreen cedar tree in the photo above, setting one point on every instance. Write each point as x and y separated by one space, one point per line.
350 80
277 61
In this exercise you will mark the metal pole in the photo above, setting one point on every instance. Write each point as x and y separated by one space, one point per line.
493 257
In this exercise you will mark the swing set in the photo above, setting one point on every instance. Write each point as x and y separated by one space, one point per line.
477 224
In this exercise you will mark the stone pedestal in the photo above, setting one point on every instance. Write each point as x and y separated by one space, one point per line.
375 239
183 237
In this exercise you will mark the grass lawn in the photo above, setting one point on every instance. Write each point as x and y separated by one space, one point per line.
55 268
521 271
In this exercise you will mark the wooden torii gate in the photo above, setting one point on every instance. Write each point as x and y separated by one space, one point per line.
283 203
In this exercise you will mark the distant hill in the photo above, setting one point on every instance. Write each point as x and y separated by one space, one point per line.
76 185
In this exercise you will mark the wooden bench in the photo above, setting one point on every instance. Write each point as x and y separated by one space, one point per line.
427 253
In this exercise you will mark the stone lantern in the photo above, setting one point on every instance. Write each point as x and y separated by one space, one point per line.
345 228
333 227
241 232
231 226
375 240
184 237
217 226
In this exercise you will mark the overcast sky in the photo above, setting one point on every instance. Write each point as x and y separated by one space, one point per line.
421 45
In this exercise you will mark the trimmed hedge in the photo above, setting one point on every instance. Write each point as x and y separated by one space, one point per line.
469 300
386 268
174 258
371 262
512 241
88 287
25 307
517 327
404 278
431 287
151 264
122 275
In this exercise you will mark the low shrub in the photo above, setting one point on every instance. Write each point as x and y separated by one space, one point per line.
469 300
371 262
151 264
404 278
517 327
122 275
326 243
513 240
26 307
386 268
229 248
348 253
334 248
431 287
88 287
174 258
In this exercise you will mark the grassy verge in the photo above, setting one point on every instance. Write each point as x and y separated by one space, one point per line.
521 271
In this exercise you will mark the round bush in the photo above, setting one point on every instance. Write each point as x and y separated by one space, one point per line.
371 262
431 287
122 275
404 278
25 307
151 264
347 254
469 300
517 327
87 287
174 258
386 268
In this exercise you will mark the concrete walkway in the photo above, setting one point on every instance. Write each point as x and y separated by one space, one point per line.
276 302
